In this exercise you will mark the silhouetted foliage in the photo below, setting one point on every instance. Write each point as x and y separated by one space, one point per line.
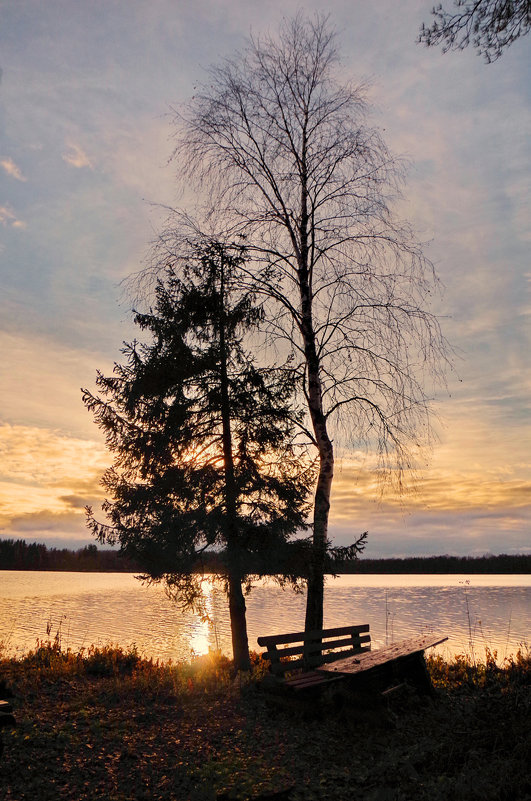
488 25
206 458
288 161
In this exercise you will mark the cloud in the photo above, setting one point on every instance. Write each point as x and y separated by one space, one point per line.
46 473
467 189
30 454
11 168
62 530
40 379
44 520
76 156
80 501
431 532
357 488
444 511
9 218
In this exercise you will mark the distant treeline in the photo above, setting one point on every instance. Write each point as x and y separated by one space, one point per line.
504 563
18 555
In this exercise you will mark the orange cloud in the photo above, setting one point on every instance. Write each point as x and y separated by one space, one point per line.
76 156
43 472
357 488
11 169
8 217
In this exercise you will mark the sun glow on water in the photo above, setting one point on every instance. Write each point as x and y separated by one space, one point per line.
201 636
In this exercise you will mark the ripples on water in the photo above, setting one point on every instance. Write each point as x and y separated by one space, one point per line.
98 608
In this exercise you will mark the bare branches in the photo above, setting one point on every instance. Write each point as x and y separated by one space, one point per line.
288 161
489 25
285 156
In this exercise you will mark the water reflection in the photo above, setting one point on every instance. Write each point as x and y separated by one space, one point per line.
83 609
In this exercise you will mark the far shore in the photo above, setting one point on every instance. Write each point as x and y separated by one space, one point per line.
19 555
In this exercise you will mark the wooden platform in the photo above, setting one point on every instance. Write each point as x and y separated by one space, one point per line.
385 668
372 659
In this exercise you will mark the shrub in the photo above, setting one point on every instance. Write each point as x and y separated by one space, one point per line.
110 660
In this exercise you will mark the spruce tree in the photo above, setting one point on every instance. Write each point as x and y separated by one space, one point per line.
206 462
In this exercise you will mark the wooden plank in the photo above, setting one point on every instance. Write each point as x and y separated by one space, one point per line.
306 680
313 662
301 636
346 642
370 659
286 667
345 654
311 679
318 648
5 706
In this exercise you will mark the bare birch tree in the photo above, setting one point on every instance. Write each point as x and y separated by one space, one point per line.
283 152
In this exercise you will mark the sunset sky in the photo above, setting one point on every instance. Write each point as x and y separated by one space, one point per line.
86 95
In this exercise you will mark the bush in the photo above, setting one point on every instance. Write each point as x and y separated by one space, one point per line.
110 660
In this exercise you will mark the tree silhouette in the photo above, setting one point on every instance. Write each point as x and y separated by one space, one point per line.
489 25
283 151
206 460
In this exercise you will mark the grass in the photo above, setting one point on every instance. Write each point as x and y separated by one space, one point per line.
106 724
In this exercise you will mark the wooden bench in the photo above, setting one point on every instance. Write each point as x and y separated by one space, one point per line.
305 651
6 719
320 657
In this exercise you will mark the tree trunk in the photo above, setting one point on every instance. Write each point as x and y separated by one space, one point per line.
315 596
238 622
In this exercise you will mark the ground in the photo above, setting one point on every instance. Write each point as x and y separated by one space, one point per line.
107 725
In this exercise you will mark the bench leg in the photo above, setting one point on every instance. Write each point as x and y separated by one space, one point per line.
420 676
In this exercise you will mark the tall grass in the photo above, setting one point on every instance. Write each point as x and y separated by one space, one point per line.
210 672
466 670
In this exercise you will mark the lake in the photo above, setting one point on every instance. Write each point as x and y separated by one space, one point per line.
475 612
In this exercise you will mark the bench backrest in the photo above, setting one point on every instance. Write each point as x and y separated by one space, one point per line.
310 649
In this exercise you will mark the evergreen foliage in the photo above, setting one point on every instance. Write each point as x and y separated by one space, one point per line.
205 455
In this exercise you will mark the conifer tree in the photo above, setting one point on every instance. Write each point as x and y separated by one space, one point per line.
206 461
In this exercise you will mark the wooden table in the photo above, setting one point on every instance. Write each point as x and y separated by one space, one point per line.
402 660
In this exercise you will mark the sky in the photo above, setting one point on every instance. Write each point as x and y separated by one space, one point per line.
86 98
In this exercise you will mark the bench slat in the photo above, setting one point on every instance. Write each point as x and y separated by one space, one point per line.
318 648
308 680
308 650
302 636
278 667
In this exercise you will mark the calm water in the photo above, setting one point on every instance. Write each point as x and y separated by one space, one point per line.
85 608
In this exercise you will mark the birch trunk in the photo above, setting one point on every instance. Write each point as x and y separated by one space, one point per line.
315 594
